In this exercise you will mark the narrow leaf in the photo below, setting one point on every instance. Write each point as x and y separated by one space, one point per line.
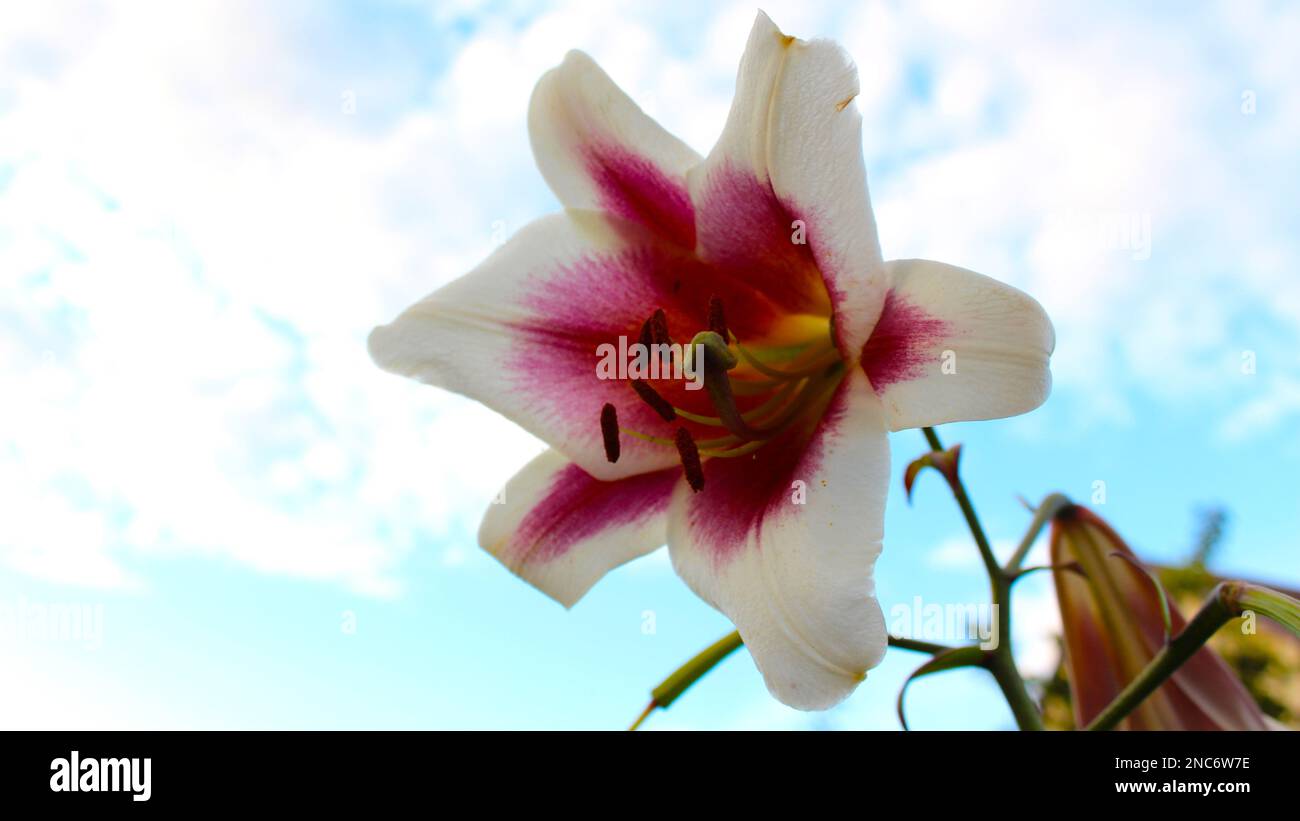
947 660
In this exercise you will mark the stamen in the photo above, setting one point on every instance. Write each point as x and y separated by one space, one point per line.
821 356
690 459
755 387
775 401
652 398
698 418
659 328
819 366
807 397
809 376
719 388
751 415
812 393
609 431
717 319
721 443
742 450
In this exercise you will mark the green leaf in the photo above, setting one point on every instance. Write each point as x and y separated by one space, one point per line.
947 660
944 461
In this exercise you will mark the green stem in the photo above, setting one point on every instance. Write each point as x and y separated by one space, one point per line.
1023 708
1001 663
967 510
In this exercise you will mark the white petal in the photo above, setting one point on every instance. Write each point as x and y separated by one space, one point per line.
561 530
521 332
952 345
598 150
796 579
792 151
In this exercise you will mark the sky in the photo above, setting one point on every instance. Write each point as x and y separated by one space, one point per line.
205 207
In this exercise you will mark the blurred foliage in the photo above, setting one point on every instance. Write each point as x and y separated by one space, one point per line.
1268 660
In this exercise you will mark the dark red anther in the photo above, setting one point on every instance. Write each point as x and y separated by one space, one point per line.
652 398
690 455
659 328
717 319
647 336
609 431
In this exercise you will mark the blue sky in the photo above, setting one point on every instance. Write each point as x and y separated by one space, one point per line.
203 210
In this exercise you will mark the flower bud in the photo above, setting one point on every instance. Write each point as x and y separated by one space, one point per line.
1114 618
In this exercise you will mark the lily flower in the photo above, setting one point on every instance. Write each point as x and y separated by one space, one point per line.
1114 618
769 485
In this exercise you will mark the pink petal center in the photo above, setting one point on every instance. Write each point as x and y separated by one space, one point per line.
901 346
577 507
637 190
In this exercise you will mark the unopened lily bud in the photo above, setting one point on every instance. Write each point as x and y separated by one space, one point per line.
1114 619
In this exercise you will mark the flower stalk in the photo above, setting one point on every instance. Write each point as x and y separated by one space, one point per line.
1229 600
1000 662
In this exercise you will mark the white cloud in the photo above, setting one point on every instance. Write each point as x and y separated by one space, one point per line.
1037 119
196 254
1262 414
1036 623
959 553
